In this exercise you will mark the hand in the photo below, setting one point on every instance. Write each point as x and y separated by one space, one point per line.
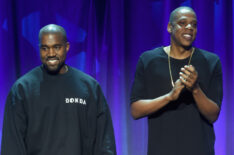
188 77
176 90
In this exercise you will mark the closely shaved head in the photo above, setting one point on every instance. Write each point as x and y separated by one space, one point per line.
52 28
182 9
182 27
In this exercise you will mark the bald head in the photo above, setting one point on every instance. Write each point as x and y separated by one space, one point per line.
174 14
53 29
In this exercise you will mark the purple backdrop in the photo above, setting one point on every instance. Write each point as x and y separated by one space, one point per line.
107 37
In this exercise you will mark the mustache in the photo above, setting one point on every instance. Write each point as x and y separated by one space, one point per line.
52 58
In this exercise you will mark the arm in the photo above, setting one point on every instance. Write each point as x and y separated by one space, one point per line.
14 128
105 140
207 107
143 108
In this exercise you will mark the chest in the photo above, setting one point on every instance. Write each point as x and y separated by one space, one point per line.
53 98
160 73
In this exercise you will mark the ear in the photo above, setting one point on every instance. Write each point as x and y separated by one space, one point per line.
67 46
169 28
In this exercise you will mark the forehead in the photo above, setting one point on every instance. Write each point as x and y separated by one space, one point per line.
185 14
52 38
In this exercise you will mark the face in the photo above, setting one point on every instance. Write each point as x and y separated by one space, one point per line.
53 51
184 28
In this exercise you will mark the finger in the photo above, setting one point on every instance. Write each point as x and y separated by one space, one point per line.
183 80
180 87
185 71
187 83
185 77
190 68
179 84
193 71
192 77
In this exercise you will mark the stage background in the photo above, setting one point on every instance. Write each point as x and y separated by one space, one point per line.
107 38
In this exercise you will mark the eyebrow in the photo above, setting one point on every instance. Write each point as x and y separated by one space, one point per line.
183 17
43 45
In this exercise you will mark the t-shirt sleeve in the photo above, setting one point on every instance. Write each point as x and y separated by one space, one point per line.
215 91
138 88
14 126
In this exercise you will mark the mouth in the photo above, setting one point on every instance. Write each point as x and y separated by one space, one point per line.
52 61
187 36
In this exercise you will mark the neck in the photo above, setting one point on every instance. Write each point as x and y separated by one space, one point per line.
179 52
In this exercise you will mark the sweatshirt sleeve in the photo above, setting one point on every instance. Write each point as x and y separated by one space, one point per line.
14 126
105 140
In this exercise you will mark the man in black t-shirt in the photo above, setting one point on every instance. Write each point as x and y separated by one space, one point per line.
179 89
56 109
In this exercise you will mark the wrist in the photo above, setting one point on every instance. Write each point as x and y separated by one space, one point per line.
196 88
168 97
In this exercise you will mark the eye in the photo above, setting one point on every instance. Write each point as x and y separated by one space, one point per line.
194 25
182 23
57 47
43 48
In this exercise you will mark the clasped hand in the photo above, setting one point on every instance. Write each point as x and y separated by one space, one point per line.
188 76
188 79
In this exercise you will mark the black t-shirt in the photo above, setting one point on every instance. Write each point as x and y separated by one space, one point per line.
62 114
178 128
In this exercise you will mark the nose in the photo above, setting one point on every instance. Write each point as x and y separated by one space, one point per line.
189 26
51 52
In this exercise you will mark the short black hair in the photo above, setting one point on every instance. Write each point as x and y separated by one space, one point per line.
53 28
174 13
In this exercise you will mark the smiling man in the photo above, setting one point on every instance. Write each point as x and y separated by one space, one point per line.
53 49
179 89
56 109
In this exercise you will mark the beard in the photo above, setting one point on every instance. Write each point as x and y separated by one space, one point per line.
53 69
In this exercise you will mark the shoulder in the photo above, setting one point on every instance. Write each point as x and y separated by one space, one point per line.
207 55
33 75
81 76
86 82
208 58
27 81
154 54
